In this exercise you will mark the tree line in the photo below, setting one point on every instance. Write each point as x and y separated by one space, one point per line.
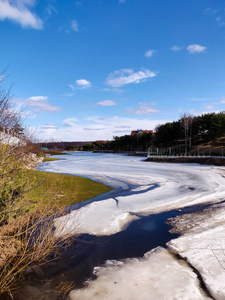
188 131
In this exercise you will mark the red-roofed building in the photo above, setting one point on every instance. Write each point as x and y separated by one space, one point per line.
101 142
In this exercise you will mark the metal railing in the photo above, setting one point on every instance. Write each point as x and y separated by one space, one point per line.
193 152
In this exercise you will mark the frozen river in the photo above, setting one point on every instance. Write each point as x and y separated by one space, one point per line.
142 189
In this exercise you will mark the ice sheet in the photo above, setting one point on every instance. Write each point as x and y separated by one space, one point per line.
156 276
140 188
87 219
203 245
144 188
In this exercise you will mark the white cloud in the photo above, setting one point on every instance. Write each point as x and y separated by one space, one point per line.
80 84
107 103
150 53
18 12
97 128
142 109
175 48
38 98
74 25
126 76
195 48
38 104
83 83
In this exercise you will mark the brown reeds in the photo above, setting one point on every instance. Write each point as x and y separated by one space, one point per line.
27 239
27 244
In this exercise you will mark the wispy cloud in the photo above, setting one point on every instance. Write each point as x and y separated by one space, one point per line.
217 14
113 90
209 107
38 104
18 11
107 103
74 25
70 122
150 53
126 76
70 27
220 21
142 109
202 99
175 48
195 48
69 94
50 10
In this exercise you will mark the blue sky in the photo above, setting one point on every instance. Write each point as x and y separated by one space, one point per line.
94 69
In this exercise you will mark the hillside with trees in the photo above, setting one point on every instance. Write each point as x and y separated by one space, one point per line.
188 132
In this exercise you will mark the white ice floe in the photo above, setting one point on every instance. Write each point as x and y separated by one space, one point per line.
156 276
203 245
98 218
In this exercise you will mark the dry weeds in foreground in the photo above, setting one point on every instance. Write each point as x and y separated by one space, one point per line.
26 230
25 245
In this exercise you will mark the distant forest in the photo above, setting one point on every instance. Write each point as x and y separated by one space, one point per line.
187 131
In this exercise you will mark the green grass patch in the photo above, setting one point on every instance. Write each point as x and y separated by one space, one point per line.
50 159
55 152
63 190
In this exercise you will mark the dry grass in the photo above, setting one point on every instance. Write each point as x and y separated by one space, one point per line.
27 244
65 287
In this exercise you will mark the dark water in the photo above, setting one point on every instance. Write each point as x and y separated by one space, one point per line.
78 260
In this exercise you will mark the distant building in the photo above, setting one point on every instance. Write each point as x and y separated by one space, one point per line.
101 142
140 131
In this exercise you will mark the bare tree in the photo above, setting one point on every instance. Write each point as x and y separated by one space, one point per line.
10 117
186 125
